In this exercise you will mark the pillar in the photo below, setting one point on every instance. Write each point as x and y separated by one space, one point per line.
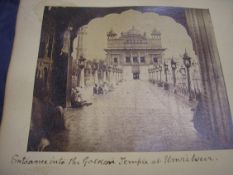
82 79
214 97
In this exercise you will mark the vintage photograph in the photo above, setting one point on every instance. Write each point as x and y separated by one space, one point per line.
128 79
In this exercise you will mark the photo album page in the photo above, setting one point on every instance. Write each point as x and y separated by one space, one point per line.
125 87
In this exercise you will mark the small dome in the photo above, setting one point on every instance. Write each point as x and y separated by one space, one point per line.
133 31
111 33
155 32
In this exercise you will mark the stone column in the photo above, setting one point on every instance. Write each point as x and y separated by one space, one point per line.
82 77
104 76
214 97
66 51
96 77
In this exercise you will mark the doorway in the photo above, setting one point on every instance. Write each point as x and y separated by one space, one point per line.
136 75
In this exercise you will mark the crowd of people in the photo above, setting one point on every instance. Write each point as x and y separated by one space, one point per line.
103 88
77 100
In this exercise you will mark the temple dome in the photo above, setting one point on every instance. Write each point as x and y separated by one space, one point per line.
111 34
155 32
133 31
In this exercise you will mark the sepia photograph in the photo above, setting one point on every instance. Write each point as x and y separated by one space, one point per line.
128 79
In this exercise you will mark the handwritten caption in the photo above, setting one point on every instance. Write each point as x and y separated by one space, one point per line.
88 161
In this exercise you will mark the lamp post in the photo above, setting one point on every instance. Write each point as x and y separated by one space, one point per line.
166 86
160 84
173 66
153 75
122 76
104 70
114 71
117 72
81 62
94 69
109 73
182 72
149 74
157 74
187 63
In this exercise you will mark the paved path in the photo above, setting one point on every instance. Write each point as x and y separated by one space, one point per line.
136 116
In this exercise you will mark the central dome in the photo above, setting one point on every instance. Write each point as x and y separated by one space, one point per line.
133 31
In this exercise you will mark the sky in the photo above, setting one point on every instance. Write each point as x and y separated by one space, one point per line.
174 36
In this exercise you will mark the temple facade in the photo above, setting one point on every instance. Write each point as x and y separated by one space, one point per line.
134 52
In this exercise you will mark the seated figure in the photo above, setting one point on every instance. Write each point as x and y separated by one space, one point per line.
95 89
100 90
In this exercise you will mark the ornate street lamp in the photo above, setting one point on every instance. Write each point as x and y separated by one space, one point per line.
109 72
149 73
109 68
157 74
116 74
166 86
81 62
104 69
94 67
160 68
153 75
187 63
165 70
121 77
173 66
113 73
81 65
113 69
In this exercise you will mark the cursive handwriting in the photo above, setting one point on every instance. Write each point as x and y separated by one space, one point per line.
87 161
